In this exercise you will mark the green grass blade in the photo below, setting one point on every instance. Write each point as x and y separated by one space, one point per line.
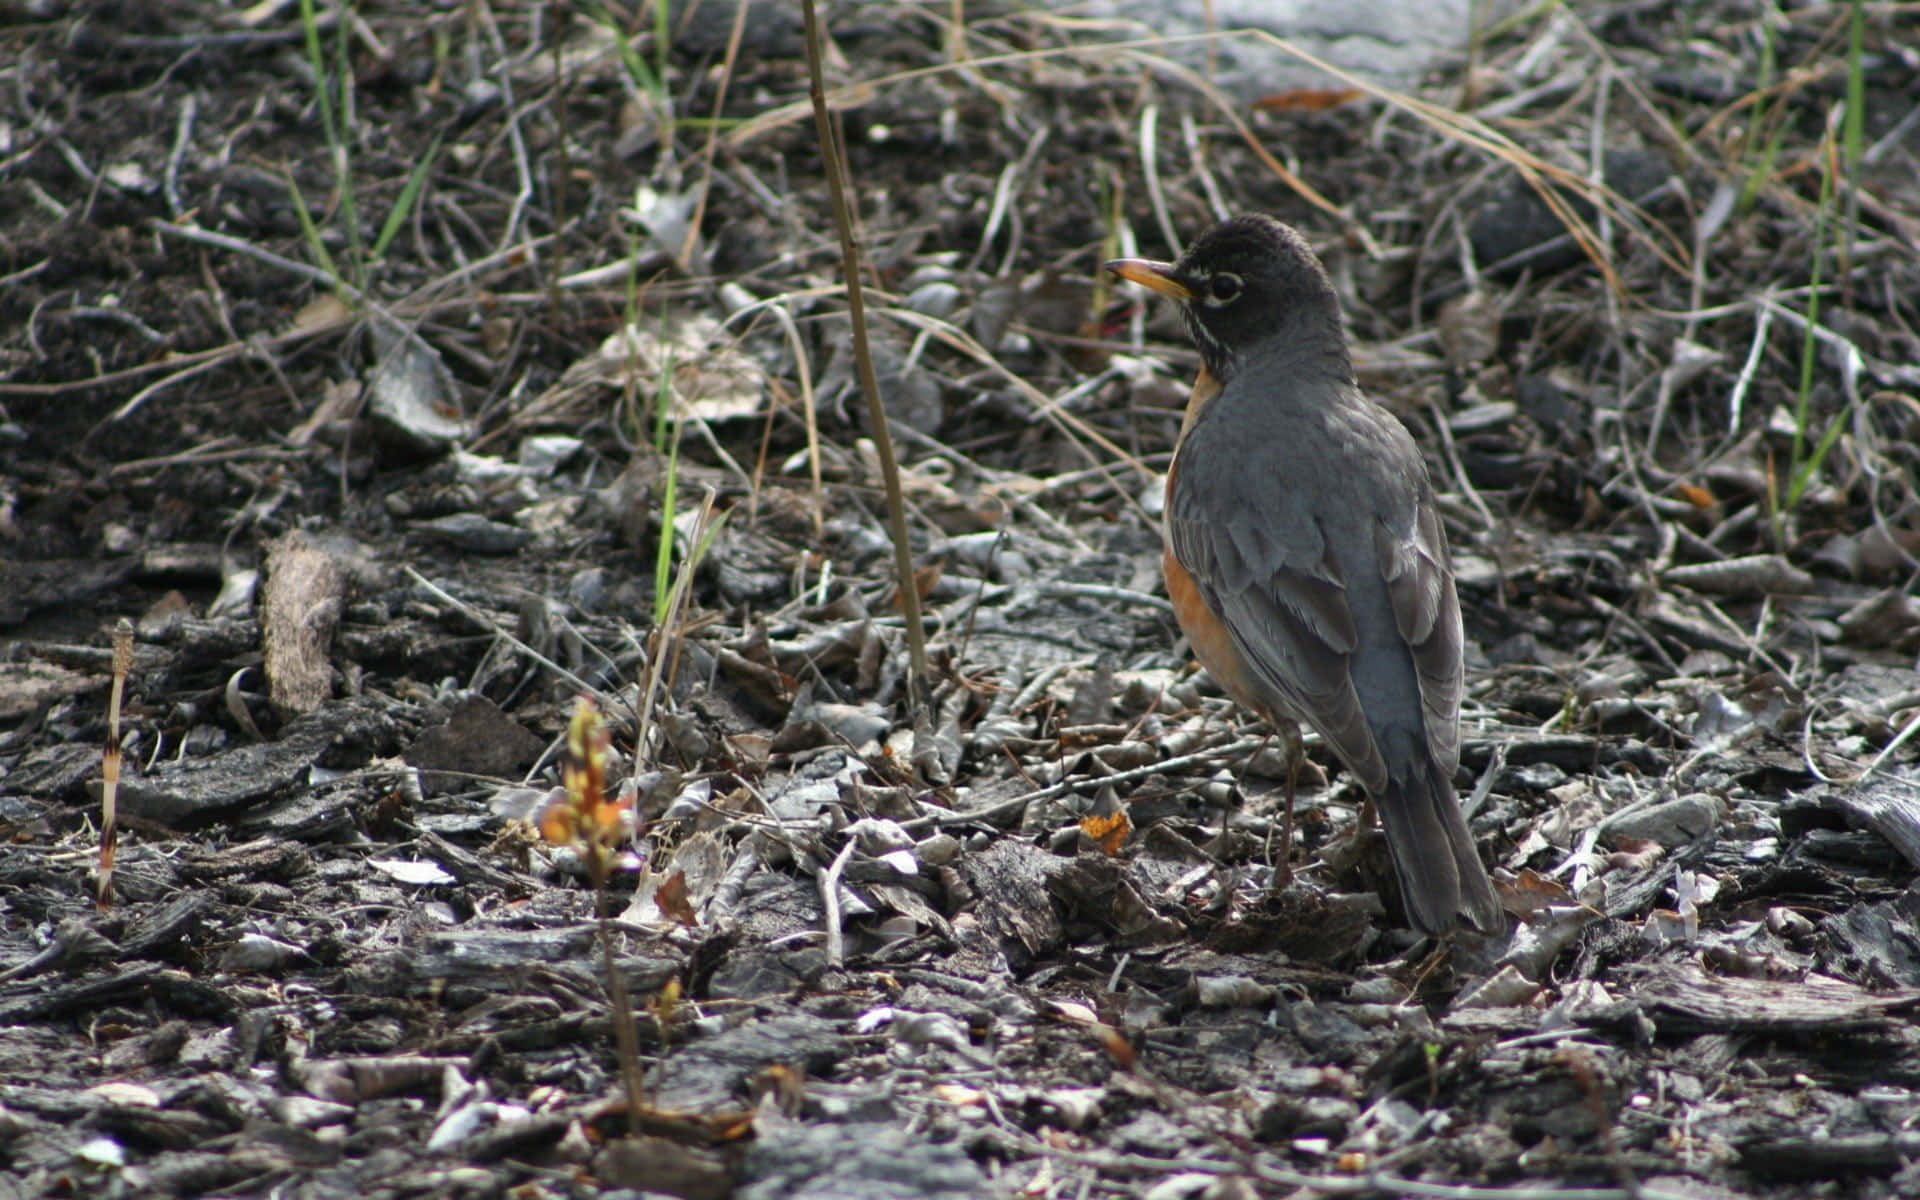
317 63
409 195
1811 467
1853 128
315 246
666 440
1854 124
663 559
343 148
1767 123
636 67
660 34
1803 467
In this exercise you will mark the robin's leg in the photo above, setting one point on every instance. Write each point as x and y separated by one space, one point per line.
1289 732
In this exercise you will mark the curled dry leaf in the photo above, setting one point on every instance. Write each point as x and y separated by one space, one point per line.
671 896
710 378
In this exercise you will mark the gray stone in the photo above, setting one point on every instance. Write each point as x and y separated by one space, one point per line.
1673 823
1374 39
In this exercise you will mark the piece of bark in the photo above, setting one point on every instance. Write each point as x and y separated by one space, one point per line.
1690 998
477 738
243 777
1888 807
299 610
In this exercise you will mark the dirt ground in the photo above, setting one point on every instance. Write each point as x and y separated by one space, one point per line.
371 415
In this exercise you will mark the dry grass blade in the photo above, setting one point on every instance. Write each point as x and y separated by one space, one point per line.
1229 111
852 95
810 414
1045 407
669 633
1551 182
480 618
713 130
1545 178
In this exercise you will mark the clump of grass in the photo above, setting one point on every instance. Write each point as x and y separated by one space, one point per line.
1837 164
649 78
332 69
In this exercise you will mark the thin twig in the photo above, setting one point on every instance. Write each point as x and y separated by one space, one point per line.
863 361
601 698
1009 808
830 894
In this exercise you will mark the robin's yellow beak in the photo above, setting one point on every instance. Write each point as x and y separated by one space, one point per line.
1156 276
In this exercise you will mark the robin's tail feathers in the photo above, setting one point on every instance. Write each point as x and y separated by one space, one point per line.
1440 873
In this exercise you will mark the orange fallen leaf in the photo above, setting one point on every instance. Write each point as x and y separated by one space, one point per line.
1108 832
1696 495
1308 99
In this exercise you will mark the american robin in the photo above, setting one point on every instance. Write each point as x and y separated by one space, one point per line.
1304 556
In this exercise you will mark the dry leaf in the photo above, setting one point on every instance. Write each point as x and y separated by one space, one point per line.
1108 832
1696 495
1116 1045
1531 893
1634 854
1307 99
672 899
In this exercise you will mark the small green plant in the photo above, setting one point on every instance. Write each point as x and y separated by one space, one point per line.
599 828
649 78
1837 166
332 69
1804 464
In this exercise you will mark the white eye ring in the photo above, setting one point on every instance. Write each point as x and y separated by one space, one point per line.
1222 289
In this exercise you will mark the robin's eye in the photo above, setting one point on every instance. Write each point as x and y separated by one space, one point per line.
1223 288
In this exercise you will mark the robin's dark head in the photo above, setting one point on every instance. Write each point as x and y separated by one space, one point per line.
1248 280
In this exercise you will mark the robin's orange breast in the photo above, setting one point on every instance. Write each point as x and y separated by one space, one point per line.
1208 635
1206 632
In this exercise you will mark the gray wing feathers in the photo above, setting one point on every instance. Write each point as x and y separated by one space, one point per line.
1286 607
1324 554
1266 564
1427 612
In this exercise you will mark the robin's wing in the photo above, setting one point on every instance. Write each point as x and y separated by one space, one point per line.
1413 562
1265 568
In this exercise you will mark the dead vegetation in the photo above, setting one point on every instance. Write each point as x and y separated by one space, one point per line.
518 368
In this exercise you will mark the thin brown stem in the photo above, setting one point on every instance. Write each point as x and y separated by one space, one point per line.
626 1045
863 361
